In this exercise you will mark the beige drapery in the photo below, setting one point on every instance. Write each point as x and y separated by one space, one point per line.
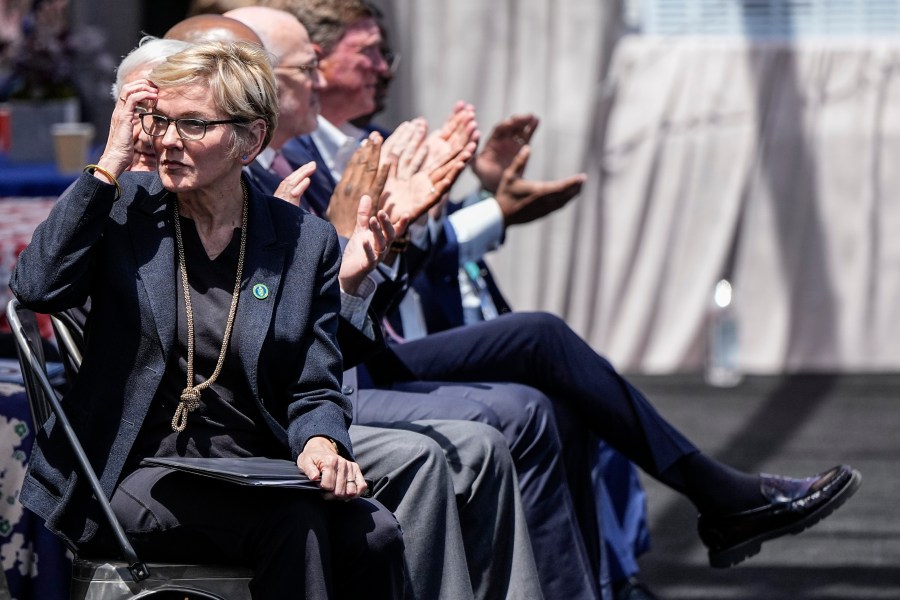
772 164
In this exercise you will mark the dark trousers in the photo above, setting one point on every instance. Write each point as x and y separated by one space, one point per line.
298 544
541 351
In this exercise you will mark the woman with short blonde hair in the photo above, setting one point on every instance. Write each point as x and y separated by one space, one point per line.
212 333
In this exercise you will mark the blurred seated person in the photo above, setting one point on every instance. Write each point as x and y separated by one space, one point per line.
197 349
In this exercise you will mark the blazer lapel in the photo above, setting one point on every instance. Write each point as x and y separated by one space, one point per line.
299 151
151 226
263 266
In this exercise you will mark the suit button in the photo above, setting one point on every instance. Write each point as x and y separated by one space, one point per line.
347 390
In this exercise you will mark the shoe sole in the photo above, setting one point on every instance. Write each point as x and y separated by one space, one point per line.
736 554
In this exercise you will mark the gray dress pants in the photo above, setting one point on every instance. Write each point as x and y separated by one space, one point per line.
452 487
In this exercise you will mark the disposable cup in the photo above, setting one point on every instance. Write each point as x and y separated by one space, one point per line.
71 143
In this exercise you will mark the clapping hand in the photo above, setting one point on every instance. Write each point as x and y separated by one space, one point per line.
458 130
406 147
523 201
363 175
370 242
501 148
412 192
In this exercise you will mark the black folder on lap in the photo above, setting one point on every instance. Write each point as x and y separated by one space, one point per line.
255 470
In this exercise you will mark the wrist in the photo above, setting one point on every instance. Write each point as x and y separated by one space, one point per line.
350 284
345 232
324 441
114 163
105 176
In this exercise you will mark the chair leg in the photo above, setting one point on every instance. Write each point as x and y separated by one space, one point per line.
4 587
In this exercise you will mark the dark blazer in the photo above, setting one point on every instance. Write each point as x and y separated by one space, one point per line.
437 284
265 181
122 255
301 150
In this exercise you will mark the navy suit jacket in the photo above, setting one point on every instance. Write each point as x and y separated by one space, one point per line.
299 151
265 181
437 283
122 255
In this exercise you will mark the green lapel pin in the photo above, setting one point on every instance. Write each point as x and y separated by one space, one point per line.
260 291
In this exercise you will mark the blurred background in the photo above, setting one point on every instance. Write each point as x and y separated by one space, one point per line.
746 141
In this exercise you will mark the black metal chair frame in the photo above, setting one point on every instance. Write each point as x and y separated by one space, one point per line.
43 400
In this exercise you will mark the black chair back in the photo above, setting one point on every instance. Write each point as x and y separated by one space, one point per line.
104 579
38 403
44 399
68 327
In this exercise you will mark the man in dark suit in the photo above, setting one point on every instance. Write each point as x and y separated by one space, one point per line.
513 401
529 427
738 510
486 545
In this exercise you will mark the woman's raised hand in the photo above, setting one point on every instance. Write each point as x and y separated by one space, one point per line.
134 98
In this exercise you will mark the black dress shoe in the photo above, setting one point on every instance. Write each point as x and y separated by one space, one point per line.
632 589
793 505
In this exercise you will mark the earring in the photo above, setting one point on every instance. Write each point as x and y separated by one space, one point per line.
244 157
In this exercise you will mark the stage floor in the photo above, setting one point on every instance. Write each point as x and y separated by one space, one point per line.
793 425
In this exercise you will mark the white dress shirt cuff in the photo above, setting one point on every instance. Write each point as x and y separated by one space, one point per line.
419 231
479 229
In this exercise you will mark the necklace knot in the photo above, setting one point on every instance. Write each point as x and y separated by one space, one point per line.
190 401
190 397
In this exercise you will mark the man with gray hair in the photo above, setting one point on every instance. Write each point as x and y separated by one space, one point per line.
451 484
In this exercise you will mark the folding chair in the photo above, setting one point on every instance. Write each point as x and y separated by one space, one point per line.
126 576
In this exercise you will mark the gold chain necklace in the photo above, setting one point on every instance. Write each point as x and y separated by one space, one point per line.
190 396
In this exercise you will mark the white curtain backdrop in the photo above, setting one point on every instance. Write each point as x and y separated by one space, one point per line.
770 164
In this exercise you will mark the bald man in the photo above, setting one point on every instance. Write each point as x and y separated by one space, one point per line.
211 28
451 484
295 64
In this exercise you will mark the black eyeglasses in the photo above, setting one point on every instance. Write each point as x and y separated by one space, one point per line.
391 58
309 69
156 125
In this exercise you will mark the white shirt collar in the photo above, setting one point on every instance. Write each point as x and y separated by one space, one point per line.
336 144
266 157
